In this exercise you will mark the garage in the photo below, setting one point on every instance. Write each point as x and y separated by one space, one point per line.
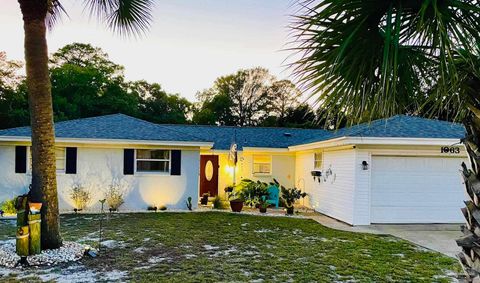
416 190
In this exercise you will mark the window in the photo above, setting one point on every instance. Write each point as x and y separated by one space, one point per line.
156 160
318 160
262 164
60 159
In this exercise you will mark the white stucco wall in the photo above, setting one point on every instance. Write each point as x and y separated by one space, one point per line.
333 195
97 168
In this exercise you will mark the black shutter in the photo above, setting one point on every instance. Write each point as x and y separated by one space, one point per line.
176 166
128 161
71 162
20 159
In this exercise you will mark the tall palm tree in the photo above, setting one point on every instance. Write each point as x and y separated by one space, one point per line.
376 58
122 16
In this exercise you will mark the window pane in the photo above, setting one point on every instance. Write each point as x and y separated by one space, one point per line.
60 153
60 164
152 154
152 166
261 168
318 160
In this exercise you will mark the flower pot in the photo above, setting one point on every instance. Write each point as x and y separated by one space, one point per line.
204 199
236 205
263 209
290 210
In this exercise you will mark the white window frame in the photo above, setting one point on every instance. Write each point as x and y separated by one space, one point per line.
315 160
269 164
169 160
61 171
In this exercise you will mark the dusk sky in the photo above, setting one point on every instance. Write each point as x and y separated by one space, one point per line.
191 42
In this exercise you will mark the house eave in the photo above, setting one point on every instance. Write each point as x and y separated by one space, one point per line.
341 141
201 145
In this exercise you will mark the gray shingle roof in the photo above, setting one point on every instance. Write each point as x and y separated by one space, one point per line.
123 127
400 126
223 136
115 127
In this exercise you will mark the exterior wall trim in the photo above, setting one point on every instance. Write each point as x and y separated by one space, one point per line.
202 145
375 141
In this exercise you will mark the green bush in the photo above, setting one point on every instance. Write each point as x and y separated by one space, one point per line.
252 191
218 203
81 197
8 206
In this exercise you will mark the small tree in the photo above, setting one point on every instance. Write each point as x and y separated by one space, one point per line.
81 197
115 196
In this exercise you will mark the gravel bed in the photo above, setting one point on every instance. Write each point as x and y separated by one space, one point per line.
70 251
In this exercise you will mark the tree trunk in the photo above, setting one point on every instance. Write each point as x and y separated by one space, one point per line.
44 183
470 242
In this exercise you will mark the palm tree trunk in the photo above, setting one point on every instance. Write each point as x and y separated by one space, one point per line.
44 183
470 242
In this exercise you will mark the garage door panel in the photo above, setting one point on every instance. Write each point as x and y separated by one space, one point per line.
416 190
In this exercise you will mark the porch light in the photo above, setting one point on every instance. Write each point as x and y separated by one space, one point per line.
364 165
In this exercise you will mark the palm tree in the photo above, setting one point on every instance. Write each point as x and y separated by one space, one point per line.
377 58
122 16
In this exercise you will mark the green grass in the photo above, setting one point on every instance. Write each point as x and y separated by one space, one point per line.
216 246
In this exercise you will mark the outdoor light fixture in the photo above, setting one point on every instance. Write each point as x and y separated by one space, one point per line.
316 175
364 165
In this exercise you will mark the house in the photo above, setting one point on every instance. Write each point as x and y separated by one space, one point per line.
398 170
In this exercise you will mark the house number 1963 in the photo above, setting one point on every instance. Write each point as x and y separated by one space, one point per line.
448 149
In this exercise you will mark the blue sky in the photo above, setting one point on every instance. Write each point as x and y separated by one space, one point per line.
191 42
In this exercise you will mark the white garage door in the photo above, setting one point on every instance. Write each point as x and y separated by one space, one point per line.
416 190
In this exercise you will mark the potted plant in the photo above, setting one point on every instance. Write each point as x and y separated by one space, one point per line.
290 196
204 199
253 192
236 201
262 204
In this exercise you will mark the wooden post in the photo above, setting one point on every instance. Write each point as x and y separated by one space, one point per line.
22 241
22 247
22 212
34 221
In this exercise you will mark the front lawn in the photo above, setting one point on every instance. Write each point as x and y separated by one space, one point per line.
216 246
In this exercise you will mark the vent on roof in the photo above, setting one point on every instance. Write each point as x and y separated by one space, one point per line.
287 134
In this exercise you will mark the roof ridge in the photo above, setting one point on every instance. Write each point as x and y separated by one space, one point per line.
247 127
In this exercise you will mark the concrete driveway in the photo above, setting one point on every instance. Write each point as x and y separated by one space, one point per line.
437 237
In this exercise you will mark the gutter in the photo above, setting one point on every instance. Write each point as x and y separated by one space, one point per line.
202 145
375 141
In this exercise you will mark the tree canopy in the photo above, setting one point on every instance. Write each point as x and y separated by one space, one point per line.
86 83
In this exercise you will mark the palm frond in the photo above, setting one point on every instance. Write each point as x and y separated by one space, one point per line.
55 13
125 17
376 58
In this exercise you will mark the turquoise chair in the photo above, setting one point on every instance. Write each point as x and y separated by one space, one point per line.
273 195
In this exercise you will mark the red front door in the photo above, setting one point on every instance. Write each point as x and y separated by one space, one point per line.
209 175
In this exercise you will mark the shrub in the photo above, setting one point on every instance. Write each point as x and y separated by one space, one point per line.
218 203
114 196
252 191
81 197
8 206
290 196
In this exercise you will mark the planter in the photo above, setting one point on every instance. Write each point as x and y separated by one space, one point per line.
236 205
204 201
263 209
290 210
